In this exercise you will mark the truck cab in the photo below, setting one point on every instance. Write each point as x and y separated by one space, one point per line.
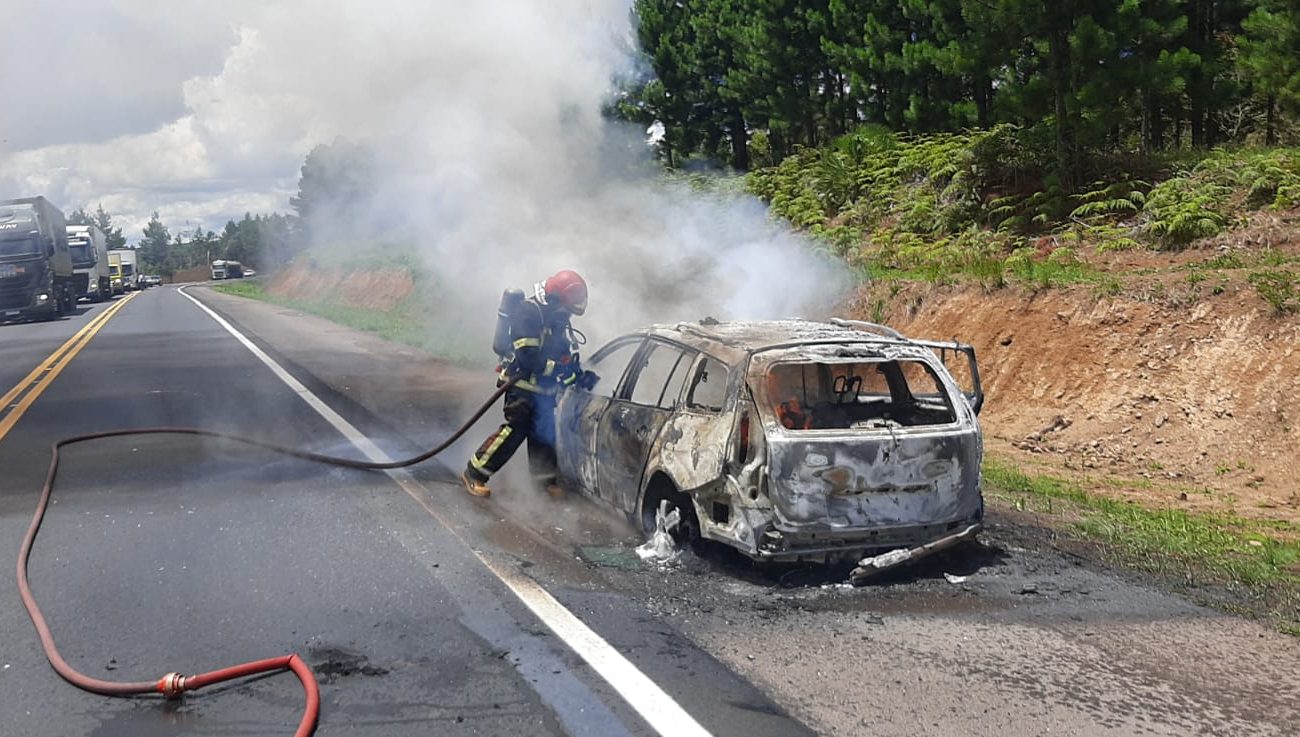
36 274
129 273
117 286
90 262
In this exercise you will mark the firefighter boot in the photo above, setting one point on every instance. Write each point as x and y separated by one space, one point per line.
475 485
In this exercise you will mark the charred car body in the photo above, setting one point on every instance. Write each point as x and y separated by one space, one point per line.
787 440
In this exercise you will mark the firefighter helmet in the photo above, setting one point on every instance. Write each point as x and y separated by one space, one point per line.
568 290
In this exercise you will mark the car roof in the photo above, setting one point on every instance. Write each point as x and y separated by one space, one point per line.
734 341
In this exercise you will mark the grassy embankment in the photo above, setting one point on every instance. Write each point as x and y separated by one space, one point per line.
394 325
1256 562
977 208
409 319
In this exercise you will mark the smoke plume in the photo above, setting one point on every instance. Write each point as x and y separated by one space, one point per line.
493 154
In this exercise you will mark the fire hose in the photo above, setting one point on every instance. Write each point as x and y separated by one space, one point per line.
173 685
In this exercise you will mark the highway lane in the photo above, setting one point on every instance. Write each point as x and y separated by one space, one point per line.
183 554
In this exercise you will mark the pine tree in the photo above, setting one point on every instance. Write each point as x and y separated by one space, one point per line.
113 237
154 246
1270 58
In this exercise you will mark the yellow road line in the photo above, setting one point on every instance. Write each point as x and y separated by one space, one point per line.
13 393
53 366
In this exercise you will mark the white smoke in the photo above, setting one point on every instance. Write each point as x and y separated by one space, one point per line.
488 118
496 158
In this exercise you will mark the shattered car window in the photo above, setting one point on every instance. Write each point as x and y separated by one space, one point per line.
661 375
862 395
610 365
708 386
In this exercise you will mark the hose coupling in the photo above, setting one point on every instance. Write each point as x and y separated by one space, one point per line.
171 685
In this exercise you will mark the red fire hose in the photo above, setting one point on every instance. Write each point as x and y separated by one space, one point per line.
173 684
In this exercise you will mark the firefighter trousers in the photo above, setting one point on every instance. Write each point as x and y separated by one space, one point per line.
530 417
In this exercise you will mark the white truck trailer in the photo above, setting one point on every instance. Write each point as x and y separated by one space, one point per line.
90 262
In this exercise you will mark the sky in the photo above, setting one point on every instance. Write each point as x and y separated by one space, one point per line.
105 103
486 118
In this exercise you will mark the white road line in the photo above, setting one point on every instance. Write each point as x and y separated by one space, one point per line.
655 706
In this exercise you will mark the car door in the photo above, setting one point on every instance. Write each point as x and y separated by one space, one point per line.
695 437
579 411
648 398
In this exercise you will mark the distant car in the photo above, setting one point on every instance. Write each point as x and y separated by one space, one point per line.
787 440
149 280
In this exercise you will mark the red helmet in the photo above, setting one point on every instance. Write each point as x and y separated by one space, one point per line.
568 290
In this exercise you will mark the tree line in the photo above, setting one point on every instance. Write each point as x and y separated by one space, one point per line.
263 241
332 176
749 81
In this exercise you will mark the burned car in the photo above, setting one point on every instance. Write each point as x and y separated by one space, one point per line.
787 440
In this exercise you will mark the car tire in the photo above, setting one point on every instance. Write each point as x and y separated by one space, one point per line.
660 489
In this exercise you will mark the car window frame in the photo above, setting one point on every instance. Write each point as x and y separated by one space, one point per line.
631 378
610 347
700 358
933 368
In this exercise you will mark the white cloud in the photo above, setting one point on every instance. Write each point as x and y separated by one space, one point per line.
87 72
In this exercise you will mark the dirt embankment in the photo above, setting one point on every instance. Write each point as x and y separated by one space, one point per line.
379 289
1170 394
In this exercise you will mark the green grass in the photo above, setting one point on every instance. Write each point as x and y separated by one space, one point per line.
978 205
1263 555
405 324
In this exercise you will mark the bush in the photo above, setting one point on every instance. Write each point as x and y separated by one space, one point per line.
1281 289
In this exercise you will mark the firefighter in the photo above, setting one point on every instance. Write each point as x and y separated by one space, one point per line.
539 351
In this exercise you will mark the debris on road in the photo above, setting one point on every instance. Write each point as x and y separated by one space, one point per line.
661 548
951 578
868 567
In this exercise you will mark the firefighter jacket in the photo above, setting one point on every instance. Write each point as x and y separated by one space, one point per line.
545 356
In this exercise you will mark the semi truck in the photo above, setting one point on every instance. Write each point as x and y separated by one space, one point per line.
36 273
115 272
130 274
90 262
225 269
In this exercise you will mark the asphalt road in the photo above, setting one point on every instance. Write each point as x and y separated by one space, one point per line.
178 553
424 611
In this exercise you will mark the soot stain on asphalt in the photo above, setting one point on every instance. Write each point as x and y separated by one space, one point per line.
1009 574
332 662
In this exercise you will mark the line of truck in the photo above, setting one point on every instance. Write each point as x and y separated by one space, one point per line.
46 265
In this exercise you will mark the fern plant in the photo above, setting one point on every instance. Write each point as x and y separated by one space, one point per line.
1185 209
1109 200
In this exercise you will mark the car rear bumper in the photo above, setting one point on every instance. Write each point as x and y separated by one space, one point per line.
829 545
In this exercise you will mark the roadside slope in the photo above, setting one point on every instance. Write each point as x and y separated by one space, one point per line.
1171 402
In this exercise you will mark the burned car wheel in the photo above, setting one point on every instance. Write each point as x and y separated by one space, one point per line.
659 490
